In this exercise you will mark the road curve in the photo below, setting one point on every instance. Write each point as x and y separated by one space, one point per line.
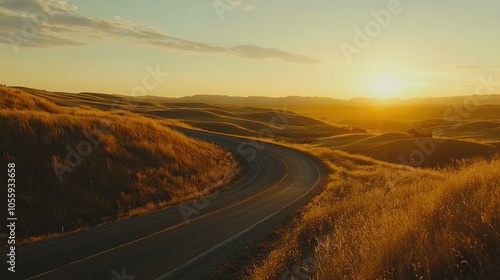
166 244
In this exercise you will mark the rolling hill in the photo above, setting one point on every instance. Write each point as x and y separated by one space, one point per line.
80 167
476 136
401 148
241 120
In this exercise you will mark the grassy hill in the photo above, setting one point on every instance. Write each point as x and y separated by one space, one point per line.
478 135
399 148
240 120
80 167
387 124
398 118
340 141
377 220
315 101
480 130
256 121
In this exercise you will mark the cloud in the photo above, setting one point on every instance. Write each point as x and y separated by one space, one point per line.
177 44
23 29
466 67
39 23
38 6
259 53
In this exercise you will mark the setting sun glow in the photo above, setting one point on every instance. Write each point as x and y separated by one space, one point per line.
386 85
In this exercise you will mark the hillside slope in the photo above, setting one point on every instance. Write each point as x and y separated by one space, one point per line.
376 220
401 148
268 123
79 167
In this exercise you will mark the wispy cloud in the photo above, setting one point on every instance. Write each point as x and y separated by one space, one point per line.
255 52
38 23
466 67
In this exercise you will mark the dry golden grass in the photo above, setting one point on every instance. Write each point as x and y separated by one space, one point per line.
15 99
137 165
376 220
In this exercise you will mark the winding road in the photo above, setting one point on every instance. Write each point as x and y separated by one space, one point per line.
184 242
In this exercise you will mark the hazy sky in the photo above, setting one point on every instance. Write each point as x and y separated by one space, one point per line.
336 48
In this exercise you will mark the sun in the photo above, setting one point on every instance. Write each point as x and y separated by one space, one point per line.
386 85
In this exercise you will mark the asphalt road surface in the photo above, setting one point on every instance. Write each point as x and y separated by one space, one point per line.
186 242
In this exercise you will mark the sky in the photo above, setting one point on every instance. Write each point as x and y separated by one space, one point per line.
338 48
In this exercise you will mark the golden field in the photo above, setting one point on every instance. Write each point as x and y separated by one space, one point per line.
376 220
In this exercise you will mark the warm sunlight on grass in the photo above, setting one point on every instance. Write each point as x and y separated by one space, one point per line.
139 166
382 221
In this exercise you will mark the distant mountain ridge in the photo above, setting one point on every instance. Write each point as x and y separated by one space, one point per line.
488 99
493 99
